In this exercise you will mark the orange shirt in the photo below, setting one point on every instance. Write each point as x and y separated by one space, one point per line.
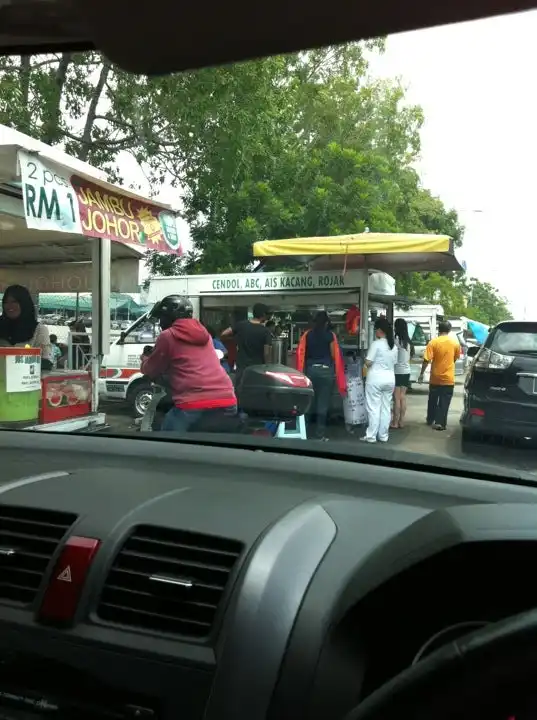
442 352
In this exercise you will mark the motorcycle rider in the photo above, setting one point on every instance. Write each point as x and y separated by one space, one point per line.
184 353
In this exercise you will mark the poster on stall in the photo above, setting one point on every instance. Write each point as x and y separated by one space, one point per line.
23 373
354 402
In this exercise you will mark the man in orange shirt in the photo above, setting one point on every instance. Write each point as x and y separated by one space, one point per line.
442 353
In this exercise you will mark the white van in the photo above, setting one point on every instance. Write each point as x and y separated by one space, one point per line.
121 378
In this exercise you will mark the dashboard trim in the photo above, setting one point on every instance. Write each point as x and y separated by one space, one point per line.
251 654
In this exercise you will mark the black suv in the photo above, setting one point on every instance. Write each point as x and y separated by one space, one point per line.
500 392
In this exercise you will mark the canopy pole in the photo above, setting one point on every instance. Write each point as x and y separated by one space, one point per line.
364 311
100 311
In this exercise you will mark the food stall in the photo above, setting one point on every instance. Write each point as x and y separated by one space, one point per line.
64 228
221 300
393 253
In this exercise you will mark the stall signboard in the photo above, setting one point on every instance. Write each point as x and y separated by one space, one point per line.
23 373
275 282
55 199
272 283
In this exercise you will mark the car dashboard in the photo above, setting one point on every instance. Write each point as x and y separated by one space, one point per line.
156 579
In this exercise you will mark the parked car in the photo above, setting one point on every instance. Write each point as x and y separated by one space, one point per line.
500 392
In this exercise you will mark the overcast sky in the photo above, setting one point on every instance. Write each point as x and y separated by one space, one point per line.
476 84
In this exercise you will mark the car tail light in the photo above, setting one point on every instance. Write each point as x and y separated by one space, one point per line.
487 359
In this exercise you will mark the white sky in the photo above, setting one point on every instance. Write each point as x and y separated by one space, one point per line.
476 83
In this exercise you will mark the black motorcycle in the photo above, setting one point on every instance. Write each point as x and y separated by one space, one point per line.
268 395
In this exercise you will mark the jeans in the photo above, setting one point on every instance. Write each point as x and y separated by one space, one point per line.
183 421
323 379
438 404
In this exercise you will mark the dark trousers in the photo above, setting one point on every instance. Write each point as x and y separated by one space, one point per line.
183 421
322 378
438 404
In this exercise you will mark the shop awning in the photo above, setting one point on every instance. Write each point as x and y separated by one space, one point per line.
390 252
70 302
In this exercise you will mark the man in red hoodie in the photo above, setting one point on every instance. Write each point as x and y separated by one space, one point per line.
185 355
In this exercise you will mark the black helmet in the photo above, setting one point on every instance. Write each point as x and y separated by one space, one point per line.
171 308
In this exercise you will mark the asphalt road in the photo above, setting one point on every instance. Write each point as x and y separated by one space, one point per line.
415 437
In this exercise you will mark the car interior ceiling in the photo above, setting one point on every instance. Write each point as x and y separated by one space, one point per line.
185 39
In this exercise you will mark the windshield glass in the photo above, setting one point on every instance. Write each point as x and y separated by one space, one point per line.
323 245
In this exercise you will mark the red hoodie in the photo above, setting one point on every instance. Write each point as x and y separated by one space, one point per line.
186 355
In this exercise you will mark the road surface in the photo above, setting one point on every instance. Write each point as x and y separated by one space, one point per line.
415 437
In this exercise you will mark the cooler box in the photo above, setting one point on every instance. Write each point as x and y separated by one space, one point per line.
65 394
20 384
274 392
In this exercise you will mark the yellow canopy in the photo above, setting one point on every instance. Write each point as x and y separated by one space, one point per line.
390 252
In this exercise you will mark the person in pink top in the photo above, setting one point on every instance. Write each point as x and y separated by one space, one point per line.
184 355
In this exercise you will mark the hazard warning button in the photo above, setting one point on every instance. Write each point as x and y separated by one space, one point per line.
63 592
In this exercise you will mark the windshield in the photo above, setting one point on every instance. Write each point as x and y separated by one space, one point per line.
163 270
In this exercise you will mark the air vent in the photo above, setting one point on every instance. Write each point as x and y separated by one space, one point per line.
168 581
28 540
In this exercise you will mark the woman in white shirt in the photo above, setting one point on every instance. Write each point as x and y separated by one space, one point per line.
380 382
402 372
19 325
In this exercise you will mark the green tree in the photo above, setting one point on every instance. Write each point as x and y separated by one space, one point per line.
485 304
289 146
79 100
293 146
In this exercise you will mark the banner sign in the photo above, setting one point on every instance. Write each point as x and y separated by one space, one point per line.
261 282
58 201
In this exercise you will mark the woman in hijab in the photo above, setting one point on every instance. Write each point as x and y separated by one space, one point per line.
19 326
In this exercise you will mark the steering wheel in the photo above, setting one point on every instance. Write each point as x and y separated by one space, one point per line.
490 674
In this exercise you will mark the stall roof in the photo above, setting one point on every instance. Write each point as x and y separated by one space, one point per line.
390 252
11 141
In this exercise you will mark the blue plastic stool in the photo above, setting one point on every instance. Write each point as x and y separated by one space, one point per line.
298 433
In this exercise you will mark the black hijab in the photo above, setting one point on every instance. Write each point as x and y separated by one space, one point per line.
23 328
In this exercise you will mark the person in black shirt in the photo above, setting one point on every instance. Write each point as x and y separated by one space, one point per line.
254 341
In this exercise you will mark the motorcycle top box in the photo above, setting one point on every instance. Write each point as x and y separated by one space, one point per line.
274 392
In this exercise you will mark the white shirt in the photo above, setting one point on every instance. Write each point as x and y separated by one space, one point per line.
382 357
402 366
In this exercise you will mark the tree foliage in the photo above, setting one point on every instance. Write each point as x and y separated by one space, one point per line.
300 145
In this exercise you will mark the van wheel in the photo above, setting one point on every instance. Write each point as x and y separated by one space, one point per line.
139 396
